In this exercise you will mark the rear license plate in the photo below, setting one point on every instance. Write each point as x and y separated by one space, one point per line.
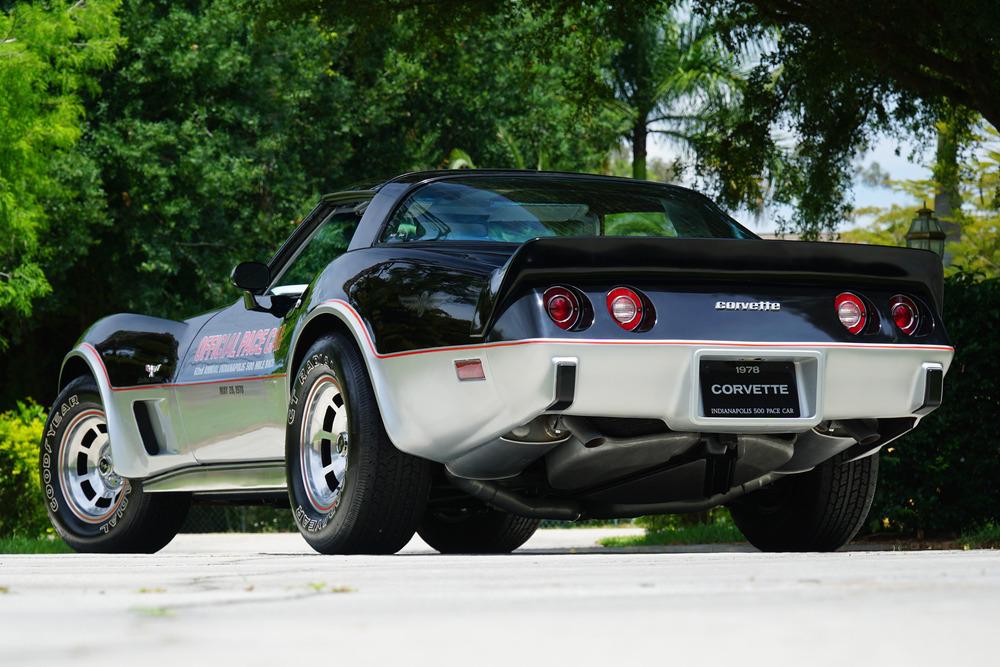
760 389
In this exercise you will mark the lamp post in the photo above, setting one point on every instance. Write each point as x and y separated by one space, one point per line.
926 233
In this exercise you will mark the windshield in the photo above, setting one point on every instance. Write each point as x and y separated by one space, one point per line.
516 209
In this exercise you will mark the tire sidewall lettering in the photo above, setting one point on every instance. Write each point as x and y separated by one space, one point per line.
309 523
308 520
62 519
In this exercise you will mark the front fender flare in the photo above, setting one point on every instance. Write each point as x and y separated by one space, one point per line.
127 451
131 459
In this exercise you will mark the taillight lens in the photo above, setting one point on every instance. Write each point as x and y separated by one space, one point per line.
851 312
904 313
563 306
625 307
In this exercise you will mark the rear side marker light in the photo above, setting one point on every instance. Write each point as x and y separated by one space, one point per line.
904 313
562 306
470 369
851 311
626 308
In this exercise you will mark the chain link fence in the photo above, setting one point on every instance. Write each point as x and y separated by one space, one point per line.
264 519
238 519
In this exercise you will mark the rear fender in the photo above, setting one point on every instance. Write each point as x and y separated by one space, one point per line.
384 370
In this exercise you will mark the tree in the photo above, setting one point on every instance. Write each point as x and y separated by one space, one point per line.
976 182
49 54
834 76
494 87
209 139
667 72
213 134
630 69
925 50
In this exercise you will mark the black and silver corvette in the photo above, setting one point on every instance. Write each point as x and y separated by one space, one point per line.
462 354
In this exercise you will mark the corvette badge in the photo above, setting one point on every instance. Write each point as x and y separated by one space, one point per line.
747 305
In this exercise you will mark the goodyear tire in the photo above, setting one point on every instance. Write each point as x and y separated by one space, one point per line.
485 530
350 489
91 507
821 510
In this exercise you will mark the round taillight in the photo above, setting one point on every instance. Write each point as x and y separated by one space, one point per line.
904 314
562 306
625 307
851 311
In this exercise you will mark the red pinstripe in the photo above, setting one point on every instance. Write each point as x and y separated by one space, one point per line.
576 341
528 341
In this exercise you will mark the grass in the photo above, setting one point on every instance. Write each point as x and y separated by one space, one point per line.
319 587
986 536
701 533
587 523
17 544
712 527
153 612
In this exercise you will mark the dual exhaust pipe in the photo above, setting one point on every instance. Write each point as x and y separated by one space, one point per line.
864 431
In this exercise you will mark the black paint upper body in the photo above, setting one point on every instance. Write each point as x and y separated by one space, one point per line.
415 294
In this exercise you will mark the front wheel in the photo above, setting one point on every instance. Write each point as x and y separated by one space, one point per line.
92 507
820 510
350 489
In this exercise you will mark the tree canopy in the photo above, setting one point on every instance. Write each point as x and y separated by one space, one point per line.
49 55
831 77
148 145
901 50
215 129
668 73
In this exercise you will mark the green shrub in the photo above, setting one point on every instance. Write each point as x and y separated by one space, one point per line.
944 477
237 519
50 544
22 510
659 522
712 527
986 536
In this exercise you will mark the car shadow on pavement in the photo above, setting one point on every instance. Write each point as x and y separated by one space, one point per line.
599 550
734 548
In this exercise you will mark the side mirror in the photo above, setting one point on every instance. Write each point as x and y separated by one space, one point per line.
253 277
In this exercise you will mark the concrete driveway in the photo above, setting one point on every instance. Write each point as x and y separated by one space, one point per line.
267 600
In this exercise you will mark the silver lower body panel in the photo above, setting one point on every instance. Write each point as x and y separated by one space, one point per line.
428 412
236 477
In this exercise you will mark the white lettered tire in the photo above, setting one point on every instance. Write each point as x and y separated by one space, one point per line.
350 489
91 507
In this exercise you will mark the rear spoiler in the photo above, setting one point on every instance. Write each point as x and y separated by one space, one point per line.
740 260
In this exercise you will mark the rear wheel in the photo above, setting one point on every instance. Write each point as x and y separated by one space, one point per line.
821 510
350 489
92 507
480 530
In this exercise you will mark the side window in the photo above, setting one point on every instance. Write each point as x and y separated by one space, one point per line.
328 241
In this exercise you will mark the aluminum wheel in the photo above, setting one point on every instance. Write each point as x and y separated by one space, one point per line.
324 444
92 488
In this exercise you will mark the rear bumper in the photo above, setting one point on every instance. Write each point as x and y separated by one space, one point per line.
428 412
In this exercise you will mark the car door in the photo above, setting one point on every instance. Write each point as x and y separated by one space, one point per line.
231 389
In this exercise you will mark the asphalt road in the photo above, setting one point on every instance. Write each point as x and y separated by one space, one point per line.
266 600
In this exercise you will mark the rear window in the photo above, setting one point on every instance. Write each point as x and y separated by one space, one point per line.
515 210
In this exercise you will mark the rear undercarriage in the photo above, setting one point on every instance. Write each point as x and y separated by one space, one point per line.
604 468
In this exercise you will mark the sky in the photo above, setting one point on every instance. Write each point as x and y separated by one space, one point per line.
899 167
